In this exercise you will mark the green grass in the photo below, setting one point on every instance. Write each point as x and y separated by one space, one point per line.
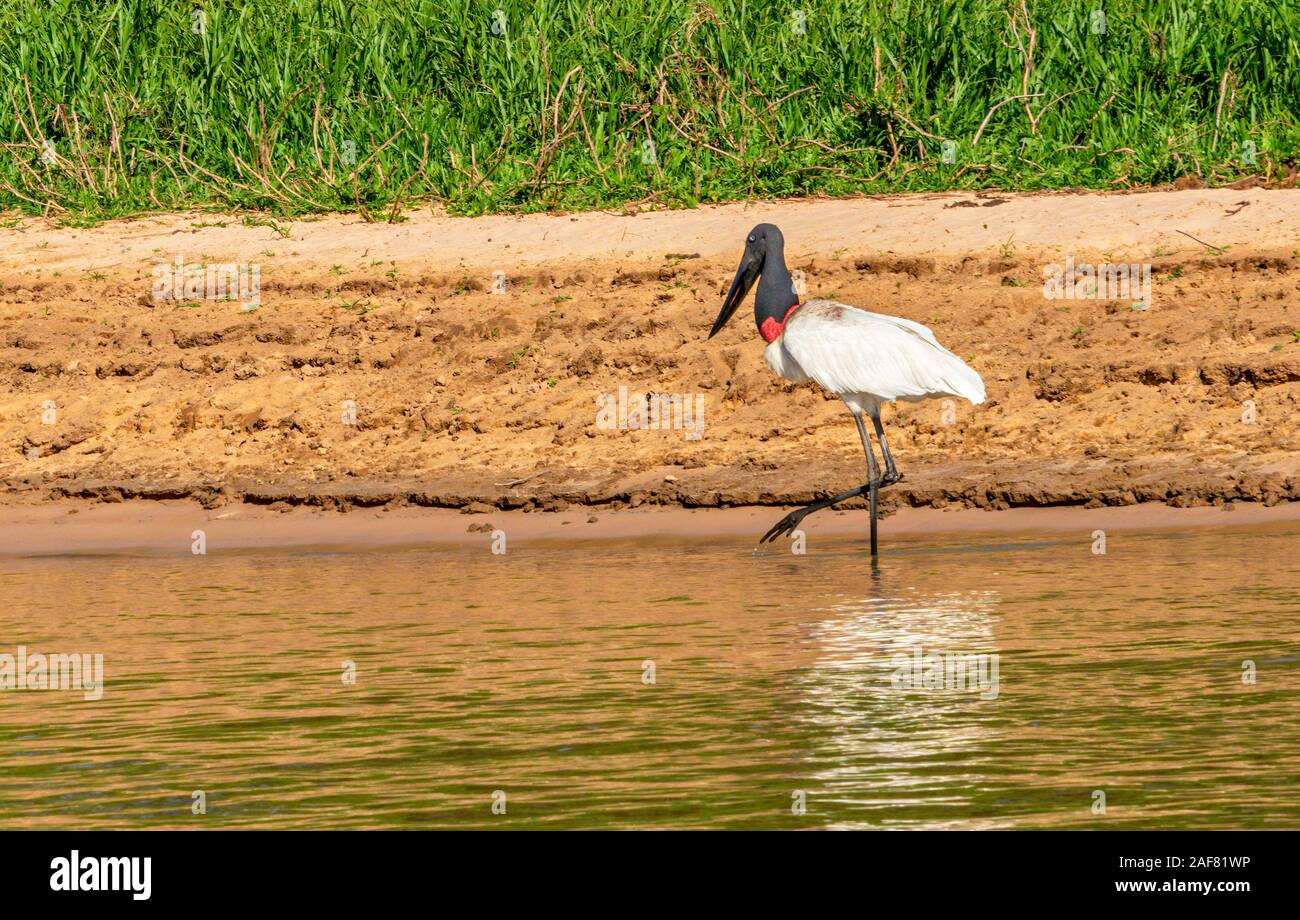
301 106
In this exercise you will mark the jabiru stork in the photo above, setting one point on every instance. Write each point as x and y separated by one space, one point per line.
864 358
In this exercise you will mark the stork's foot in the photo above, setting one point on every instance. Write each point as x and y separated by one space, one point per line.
787 525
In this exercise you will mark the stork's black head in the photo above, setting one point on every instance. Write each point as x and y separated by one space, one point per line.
765 256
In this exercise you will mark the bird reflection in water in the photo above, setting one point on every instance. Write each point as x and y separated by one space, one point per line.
883 742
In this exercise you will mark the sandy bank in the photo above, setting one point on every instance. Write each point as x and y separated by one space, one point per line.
169 527
380 369
948 226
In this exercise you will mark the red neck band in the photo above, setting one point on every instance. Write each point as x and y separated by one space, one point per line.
771 328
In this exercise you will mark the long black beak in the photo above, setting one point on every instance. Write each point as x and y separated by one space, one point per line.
746 275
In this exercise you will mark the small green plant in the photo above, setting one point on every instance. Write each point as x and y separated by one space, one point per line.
515 356
283 232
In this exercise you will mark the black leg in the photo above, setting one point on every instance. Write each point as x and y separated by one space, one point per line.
788 524
874 472
891 472
875 491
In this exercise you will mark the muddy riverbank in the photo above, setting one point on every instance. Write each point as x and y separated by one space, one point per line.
378 366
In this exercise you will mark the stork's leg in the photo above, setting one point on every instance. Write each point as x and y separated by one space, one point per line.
788 524
892 475
872 470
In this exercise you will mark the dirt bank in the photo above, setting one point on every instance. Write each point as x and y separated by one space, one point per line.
71 526
380 368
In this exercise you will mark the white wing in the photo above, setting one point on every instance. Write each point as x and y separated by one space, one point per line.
848 351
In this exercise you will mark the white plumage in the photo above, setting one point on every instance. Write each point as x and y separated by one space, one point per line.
868 358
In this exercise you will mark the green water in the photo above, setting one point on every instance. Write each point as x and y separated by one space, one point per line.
665 684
